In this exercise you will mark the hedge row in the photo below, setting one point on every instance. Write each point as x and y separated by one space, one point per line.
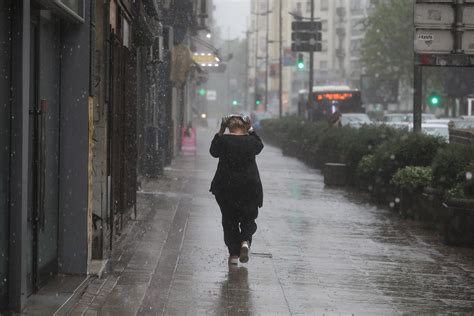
378 155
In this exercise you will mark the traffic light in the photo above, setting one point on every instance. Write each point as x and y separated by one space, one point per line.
258 99
434 100
235 102
202 92
300 62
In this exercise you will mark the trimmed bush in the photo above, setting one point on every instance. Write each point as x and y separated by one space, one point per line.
409 149
366 169
413 178
376 154
453 170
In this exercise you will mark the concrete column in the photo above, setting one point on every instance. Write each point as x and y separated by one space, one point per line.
73 180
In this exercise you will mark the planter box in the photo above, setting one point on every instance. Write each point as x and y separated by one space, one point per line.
335 174
459 228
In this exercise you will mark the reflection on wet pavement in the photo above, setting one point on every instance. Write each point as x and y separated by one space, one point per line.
331 253
317 251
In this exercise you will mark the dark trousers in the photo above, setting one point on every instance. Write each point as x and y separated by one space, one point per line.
238 222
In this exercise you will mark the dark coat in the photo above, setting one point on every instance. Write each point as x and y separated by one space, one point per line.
237 175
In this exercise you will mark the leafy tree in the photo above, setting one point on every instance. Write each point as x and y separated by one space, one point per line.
387 49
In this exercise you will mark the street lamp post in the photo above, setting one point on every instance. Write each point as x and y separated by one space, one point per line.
266 55
267 13
280 63
256 57
311 67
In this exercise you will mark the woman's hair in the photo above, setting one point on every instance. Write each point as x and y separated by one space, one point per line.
235 123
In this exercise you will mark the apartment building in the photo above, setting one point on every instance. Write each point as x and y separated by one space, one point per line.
337 63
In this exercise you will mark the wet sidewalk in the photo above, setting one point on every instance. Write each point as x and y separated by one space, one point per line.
317 251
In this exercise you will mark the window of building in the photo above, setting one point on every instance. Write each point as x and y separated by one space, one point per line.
308 6
324 5
324 25
357 27
356 5
126 33
324 45
298 7
355 45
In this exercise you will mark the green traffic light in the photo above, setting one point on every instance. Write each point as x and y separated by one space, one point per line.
235 102
258 102
300 65
202 92
434 100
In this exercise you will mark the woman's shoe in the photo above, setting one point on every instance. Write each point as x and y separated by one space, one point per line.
244 252
234 260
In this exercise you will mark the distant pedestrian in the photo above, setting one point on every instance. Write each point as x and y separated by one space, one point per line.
336 119
236 184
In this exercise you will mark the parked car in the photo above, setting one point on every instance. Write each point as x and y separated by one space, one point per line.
390 118
462 124
424 117
355 120
439 130
443 121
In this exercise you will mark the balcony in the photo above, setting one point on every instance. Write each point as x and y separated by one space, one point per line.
340 53
341 32
341 13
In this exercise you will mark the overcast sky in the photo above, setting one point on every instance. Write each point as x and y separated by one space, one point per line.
231 16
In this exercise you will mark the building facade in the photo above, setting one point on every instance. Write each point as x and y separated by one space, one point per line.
85 90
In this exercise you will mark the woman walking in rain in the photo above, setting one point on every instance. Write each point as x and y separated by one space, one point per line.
236 184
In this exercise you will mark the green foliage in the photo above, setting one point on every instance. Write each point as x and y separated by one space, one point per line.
413 178
408 149
451 168
387 49
366 169
378 154
366 140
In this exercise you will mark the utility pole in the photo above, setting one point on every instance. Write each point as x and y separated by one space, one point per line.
255 92
266 55
311 69
247 72
417 98
280 66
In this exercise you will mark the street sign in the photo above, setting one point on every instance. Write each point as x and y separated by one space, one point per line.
306 47
211 95
468 42
306 36
206 59
434 41
305 26
444 27
434 15
444 60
